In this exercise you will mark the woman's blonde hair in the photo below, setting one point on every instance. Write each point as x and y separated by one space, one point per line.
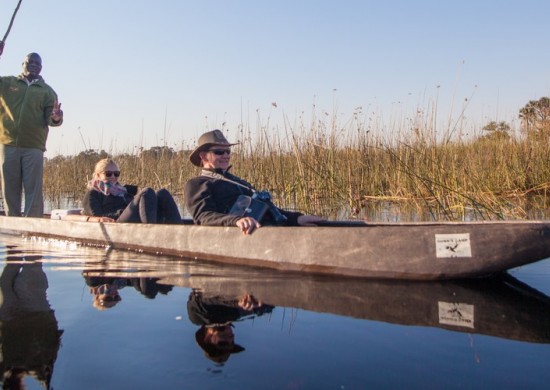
103 164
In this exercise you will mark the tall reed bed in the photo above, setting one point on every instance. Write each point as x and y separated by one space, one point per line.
350 170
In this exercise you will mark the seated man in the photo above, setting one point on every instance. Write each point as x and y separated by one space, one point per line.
210 196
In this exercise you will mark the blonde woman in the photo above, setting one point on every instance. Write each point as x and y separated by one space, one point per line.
109 199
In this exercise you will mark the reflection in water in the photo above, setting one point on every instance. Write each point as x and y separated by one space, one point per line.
501 307
216 314
105 289
30 337
146 347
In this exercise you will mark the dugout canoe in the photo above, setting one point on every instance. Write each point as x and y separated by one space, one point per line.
415 251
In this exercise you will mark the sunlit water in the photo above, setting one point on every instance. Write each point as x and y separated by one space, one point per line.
185 325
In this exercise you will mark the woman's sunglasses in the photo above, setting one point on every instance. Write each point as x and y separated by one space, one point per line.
220 152
111 173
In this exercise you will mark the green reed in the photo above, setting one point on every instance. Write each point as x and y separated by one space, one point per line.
347 171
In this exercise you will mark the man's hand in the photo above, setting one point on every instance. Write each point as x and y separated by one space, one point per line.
248 225
249 302
57 113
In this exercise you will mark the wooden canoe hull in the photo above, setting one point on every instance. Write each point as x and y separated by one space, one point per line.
422 251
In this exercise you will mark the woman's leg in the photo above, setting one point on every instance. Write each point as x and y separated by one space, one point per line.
167 208
143 208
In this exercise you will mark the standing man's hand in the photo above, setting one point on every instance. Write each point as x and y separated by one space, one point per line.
57 113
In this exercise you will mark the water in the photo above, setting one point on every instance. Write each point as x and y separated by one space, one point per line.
297 332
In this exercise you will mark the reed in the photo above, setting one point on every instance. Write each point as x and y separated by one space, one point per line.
353 170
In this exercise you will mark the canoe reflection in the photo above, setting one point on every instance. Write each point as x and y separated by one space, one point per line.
501 307
29 333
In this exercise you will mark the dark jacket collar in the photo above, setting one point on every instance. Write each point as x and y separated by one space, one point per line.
218 170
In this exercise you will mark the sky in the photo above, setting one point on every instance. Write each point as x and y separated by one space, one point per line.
136 74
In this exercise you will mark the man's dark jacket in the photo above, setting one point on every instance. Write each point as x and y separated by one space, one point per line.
209 199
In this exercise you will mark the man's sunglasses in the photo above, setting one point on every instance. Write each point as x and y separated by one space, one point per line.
111 173
220 152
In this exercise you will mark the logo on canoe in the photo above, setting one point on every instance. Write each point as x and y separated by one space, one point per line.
456 314
453 245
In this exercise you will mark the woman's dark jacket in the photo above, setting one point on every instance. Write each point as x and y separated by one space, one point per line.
97 204
209 199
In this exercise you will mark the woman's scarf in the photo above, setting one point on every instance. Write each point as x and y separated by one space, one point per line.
107 188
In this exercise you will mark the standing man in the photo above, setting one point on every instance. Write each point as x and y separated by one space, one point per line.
27 107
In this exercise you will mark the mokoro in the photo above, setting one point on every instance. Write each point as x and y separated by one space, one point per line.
414 251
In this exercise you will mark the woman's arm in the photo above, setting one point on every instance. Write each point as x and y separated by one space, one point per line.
92 205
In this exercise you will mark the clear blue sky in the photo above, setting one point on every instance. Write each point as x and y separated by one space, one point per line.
133 73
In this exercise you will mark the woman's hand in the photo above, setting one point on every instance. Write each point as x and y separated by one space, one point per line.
100 219
248 225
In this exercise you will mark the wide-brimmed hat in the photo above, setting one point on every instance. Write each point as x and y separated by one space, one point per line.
207 140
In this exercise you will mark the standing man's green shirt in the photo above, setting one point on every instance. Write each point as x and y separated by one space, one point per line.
28 106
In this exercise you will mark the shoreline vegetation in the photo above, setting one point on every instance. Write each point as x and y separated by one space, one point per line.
356 170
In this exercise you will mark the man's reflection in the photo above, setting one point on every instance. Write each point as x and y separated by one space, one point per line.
30 337
215 314
105 290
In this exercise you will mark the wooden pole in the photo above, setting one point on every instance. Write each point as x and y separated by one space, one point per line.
11 22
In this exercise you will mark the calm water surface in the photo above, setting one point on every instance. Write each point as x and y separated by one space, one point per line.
88 318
